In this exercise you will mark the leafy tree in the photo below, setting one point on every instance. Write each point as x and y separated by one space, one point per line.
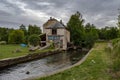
4 32
91 35
23 28
108 33
34 40
113 33
16 37
102 34
34 30
118 19
81 35
119 22
75 26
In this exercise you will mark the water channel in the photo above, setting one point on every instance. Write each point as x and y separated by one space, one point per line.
42 66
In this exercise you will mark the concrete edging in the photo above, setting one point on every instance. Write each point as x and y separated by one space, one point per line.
61 70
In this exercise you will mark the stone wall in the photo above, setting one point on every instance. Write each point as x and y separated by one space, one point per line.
13 61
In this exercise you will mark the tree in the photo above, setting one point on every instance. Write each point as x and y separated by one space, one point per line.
91 35
23 28
118 19
34 40
113 33
4 32
75 26
108 33
33 30
119 22
16 37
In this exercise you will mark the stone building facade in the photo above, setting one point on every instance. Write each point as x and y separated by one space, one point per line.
56 31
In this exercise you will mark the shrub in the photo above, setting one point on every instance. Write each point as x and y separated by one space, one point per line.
34 40
114 41
116 54
52 45
116 64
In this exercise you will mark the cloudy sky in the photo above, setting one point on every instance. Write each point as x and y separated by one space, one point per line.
99 12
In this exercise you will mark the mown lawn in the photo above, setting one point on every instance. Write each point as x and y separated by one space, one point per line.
8 51
96 67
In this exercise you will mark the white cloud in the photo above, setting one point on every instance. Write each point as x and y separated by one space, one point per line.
111 22
45 3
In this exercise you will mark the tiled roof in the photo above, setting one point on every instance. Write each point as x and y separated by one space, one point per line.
56 25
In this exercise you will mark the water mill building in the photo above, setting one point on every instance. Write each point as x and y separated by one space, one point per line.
56 31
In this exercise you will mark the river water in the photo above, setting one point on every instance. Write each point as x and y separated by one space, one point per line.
42 66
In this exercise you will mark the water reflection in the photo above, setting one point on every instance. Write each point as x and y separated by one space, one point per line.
40 67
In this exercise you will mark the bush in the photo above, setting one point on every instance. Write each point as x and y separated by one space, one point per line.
116 54
114 41
116 64
34 40
52 45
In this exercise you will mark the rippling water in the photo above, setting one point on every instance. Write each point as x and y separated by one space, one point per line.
42 66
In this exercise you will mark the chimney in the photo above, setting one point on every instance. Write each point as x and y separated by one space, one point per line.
60 21
50 18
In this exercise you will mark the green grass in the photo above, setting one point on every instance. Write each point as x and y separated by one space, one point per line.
88 70
7 51
115 56
44 50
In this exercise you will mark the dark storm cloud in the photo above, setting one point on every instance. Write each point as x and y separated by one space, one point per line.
3 13
16 12
99 12
9 7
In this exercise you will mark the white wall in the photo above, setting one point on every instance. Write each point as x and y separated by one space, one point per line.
63 32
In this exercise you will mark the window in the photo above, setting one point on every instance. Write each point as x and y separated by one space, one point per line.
54 31
54 37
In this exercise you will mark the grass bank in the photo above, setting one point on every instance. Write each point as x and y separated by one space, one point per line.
95 67
8 51
114 49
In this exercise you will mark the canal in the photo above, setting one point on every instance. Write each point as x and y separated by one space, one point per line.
42 66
